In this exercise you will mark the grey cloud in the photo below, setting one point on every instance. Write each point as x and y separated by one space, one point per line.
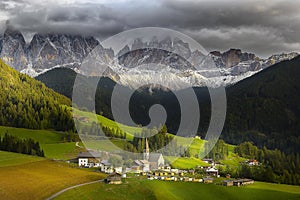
257 26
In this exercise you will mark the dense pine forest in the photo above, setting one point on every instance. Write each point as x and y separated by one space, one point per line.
27 103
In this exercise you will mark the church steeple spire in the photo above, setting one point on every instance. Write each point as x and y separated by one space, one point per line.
146 150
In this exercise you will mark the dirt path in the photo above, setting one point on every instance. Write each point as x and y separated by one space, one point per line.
72 187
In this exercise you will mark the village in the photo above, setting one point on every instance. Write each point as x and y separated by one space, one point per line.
153 167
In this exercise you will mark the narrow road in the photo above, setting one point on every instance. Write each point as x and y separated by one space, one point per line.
72 187
77 145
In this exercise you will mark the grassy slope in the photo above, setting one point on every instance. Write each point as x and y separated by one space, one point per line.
182 163
50 141
28 177
43 136
12 159
175 190
185 163
53 146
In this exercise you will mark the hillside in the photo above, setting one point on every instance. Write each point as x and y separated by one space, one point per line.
38 178
263 109
27 103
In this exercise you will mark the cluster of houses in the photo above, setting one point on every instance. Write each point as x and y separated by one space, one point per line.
153 166
179 175
150 162
95 159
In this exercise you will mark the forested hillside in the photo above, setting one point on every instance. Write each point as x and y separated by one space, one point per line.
27 103
263 109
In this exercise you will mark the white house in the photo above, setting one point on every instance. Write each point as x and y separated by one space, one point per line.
106 167
83 162
89 159
212 171
118 170
252 162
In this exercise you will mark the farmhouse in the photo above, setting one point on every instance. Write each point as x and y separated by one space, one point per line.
106 167
114 178
89 159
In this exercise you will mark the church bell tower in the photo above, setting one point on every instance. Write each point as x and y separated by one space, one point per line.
146 150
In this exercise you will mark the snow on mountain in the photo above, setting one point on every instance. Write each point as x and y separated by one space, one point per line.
133 65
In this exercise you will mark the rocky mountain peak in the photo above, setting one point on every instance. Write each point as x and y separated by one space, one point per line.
13 48
51 50
12 33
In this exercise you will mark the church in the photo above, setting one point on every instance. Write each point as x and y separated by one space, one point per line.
150 162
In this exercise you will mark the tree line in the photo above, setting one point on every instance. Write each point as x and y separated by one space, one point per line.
24 146
100 130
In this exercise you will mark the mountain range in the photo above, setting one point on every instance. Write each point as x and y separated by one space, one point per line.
263 108
47 51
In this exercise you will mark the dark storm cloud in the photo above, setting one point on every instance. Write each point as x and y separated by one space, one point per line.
257 26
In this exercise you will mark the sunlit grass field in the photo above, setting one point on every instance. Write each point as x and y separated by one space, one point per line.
185 163
50 141
27 177
43 136
145 189
12 159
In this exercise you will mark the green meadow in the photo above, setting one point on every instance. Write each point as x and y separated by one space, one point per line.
50 141
12 159
145 189
54 147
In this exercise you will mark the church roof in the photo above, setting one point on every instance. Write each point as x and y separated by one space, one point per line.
154 157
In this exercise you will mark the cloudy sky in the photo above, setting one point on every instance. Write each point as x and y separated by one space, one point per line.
262 27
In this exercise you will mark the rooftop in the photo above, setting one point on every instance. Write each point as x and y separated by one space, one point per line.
89 154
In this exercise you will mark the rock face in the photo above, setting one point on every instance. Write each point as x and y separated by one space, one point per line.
173 58
51 50
233 57
13 49
45 51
